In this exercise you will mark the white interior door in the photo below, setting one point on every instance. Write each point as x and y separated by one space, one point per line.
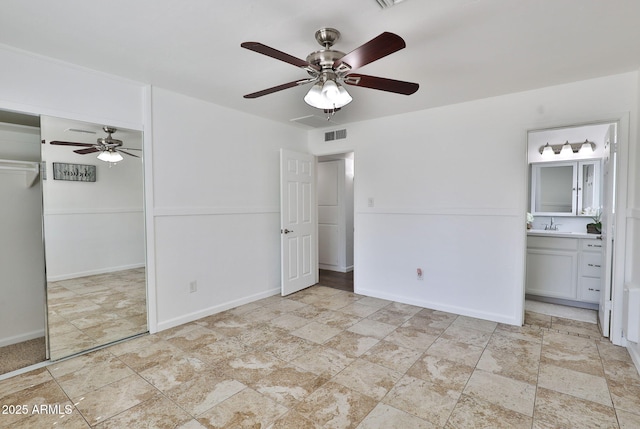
298 230
608 228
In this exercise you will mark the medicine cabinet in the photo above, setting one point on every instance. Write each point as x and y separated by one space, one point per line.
565 188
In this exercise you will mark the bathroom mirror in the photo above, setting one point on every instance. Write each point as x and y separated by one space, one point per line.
93 234
565 188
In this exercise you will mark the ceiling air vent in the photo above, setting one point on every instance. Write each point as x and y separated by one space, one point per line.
335 135
388 3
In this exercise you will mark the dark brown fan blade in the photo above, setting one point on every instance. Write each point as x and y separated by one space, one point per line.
70 143
127 153
381 83
376 48
278 88
278 55
86 151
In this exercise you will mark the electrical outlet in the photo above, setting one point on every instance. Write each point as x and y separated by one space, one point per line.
193 286
370 202
419 274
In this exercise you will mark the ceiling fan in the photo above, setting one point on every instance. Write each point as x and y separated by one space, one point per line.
329 69
108 147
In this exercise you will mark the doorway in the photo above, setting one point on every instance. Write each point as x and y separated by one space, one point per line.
570 247
335 184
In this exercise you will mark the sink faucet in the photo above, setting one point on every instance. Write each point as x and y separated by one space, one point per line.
552 226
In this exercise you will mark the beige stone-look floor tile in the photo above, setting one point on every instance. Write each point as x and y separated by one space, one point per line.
373 302
518 359
411 338
323 361
358 309
24 381
456 351
574 383
133 344
625 395
388 417
203 392
351 344
92 376
263 314
467 335
621 371
40 394
372 328
390 316
628 420
191 424
609 352
571 352
558 410
113 330
194 338
438 370
283 304
246 409
158 413
220 351
474 323
289 385
575 327
293 420
289 347
337 319
232 325
260 336
169 374
432 402
67 418
392 356
289 322
522 333
336 406
537 319
251 367
146 357
114 398
316 332
368 378
506 392
430 323
472 412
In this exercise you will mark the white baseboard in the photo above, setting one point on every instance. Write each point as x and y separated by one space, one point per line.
171 323
336 268
21 338
93 272
462 311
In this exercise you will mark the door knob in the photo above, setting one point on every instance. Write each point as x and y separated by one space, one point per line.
286 231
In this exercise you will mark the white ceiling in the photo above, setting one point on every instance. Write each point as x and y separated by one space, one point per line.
457 50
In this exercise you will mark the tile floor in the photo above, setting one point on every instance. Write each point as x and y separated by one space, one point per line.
91 311
326 358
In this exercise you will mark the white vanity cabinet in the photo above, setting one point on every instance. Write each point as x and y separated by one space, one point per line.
590 271
564 268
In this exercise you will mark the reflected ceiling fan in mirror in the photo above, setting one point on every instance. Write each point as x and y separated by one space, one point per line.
330 69
108 147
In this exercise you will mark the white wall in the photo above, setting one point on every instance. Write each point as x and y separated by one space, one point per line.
22 282
216 215
450 194
633 228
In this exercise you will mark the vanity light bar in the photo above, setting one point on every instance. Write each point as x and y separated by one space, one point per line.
575 147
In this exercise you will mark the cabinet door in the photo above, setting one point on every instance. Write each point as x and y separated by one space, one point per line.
552 273
553 188
589 289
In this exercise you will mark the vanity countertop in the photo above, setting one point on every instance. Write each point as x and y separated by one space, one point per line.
565 234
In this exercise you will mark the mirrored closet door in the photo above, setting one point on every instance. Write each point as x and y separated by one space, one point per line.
94 234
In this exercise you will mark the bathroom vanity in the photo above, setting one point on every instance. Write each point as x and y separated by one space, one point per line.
564 266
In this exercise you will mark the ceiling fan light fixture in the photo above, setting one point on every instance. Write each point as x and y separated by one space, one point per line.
327 96
110 156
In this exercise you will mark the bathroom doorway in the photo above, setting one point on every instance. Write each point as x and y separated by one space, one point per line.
335 183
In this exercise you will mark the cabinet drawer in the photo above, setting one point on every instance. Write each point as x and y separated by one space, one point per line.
556 243
591 245
591 264
589 289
